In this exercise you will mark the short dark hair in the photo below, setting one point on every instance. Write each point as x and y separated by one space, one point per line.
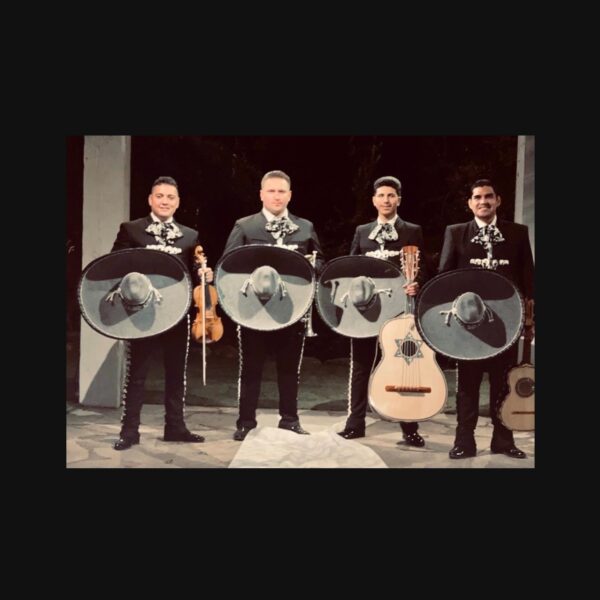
278 174
166 180
389 181
482 183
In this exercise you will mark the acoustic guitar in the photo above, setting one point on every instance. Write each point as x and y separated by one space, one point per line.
407 384
517 410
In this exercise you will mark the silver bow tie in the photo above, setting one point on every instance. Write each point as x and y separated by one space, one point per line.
487 236
281 227
384 232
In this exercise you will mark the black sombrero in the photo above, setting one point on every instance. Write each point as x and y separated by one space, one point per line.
265 287
356 295
469 314
134 293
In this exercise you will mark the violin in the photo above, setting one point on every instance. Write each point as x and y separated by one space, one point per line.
210 328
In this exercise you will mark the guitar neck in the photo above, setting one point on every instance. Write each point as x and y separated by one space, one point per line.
410 305
409 261
527 350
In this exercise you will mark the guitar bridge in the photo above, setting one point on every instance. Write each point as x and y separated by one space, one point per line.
408 388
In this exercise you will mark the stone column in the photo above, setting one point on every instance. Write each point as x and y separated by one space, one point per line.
525 199
525 192
106 169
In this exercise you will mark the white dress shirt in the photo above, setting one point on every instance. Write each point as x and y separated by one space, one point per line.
269 216
481 223
157 220
391 221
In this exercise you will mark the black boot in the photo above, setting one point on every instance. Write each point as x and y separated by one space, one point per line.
241 432
512 451
126 440
181 435
413 439
503 442
352 434
295 427
460 451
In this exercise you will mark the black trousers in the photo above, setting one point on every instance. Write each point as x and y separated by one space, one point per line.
364 356
173 345
287 344
470 374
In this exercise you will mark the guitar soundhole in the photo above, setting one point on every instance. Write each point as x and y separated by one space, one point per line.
409 348
525 387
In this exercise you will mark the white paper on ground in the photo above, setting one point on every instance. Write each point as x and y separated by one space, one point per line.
84 413
271 447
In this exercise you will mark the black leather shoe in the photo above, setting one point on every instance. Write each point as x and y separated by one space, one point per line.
413 439
183 436
351 434
297 428
126 441
241 433
462 452
511 451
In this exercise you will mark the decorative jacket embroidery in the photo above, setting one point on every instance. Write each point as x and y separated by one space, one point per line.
164 248
384 232
282 245
165 234
385 254
487 237
281 227
487 263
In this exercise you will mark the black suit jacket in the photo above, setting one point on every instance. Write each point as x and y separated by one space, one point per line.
132 234
251 230
458 250
409 234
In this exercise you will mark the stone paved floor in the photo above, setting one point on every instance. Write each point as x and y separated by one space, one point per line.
91 431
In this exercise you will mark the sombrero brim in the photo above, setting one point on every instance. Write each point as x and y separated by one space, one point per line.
114 319
247 310
348 320
486 341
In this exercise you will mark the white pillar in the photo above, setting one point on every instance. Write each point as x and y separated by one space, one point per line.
525 198
525 191
106 168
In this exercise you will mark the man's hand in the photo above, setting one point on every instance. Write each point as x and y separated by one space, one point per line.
208 273
411 289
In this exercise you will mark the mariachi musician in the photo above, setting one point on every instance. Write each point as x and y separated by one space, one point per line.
160 231
382 238
502 246
273 225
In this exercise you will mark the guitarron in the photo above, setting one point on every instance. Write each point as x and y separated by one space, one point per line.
407 384
517 410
